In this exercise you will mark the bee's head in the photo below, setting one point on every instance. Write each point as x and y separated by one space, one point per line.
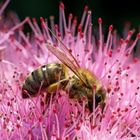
93 86
99 99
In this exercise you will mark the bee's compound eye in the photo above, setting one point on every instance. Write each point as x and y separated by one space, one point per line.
98 98
25 93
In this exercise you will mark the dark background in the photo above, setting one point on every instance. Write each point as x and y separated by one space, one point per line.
115 12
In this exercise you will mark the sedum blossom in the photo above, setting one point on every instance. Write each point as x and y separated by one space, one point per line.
114 60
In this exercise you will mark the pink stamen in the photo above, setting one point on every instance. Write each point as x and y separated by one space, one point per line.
84 16
4 6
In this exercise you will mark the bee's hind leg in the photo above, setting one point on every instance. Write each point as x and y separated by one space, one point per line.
58 85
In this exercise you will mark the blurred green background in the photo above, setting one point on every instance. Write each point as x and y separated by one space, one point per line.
112 12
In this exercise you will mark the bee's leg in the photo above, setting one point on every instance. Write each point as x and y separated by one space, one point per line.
62 84
102 105
90 106
98 102
52 89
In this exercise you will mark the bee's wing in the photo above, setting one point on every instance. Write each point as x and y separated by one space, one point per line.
65 60
65 49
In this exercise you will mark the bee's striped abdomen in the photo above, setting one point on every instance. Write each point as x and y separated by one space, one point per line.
42 78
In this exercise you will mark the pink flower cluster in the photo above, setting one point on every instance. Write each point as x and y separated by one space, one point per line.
115 61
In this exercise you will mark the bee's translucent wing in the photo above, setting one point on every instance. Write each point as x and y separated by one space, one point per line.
65 49
65 60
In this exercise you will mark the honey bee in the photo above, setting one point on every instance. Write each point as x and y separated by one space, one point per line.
69 76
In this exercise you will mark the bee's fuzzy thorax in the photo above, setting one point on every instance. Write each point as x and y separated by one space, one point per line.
91 78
